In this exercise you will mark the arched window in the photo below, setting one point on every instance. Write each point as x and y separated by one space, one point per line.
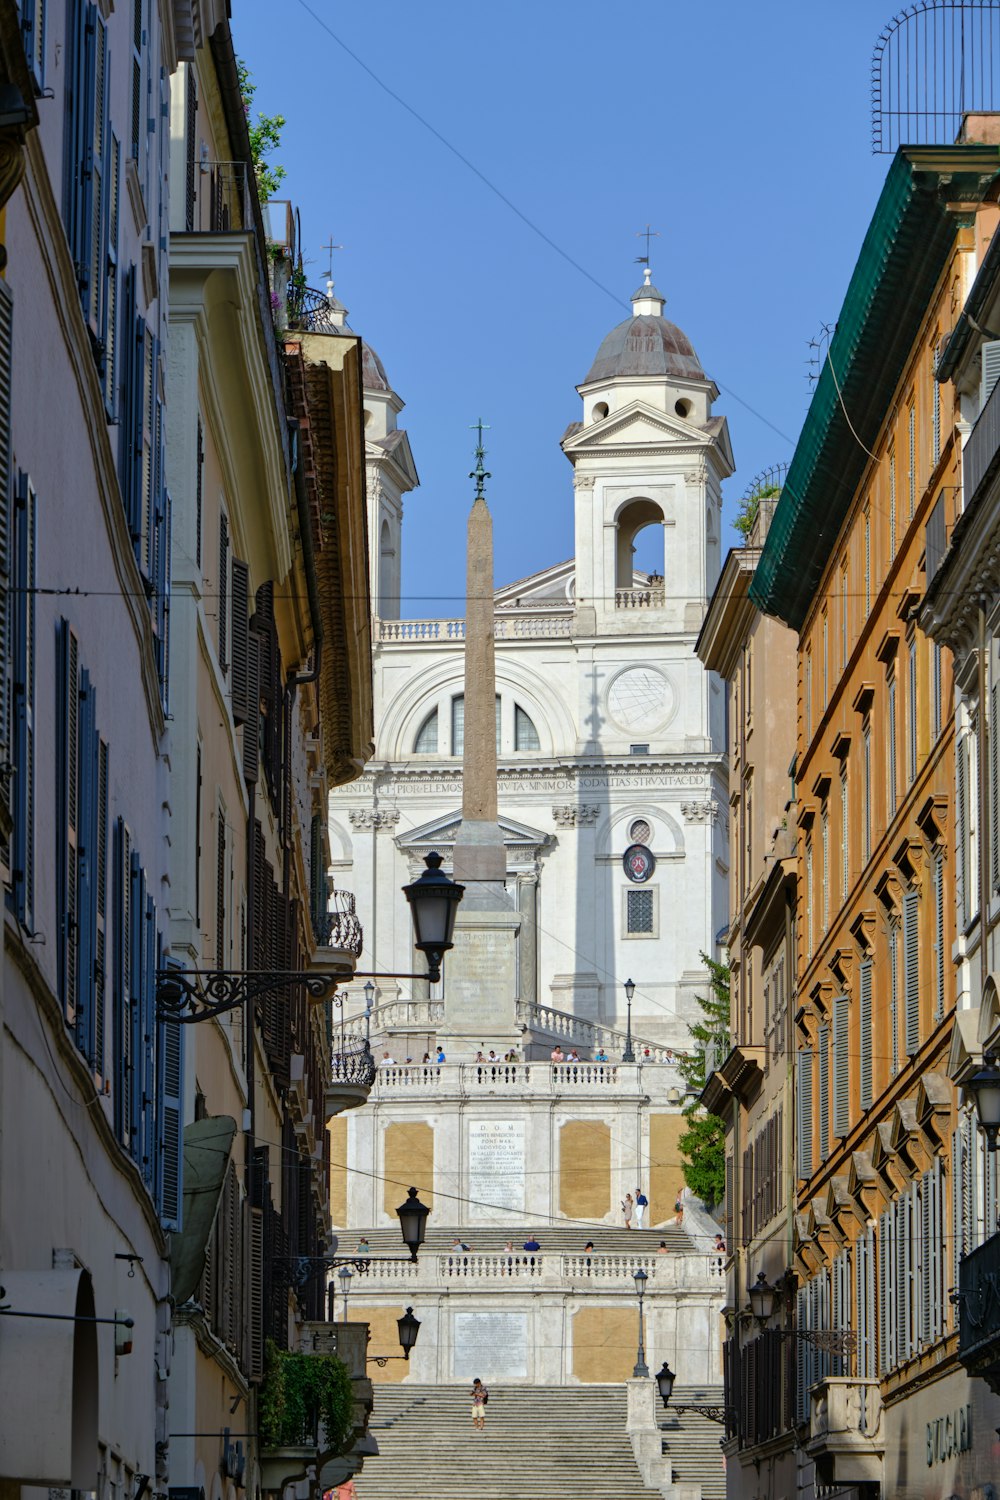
426 742
640 543
458 724
387 558
525 733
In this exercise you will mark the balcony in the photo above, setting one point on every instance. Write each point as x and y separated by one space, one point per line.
455 1270
652 597
343 928
846 1440
979 1312
534 1079
522 625
224 204
982 451
352 1073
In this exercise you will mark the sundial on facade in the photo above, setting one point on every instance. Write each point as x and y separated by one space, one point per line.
639 698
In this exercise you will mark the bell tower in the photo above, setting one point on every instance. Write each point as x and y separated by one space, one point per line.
649 458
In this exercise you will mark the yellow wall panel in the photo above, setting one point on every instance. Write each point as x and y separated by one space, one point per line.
585 1169
337 1133
665 1176
605 1340
384 1339
409 1162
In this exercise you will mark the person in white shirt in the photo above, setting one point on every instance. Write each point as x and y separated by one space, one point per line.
387 1061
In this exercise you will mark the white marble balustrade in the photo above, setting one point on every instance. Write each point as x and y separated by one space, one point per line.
466 1080
435 1271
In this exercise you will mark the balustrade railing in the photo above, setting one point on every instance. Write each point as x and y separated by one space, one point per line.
649 598
467 1079
564 1027
691 1269
505 628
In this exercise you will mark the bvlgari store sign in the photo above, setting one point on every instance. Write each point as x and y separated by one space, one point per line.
941 1442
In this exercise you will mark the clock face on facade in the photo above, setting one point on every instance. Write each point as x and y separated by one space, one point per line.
639 698
639 863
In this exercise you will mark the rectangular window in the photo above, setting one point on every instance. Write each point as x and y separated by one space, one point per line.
866 1049
936 410
223 622
33 34
845 853
866 793
824 830
843 616
804 1112
961 831
826 662
912 436
808 692
824 1091
841 1068
84 154
937 880
221 950
809 899
458 727
137 133
911 969
911 714
868 563
894 997
936 689
892 502
640 912
22 710
891 748
190 145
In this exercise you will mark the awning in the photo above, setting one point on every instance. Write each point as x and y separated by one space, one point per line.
49 1380
207 1144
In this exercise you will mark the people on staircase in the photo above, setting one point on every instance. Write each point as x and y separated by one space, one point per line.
480 1396
628 1209
641 1204
531 1243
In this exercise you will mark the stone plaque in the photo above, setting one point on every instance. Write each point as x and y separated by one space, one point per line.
496 1168
480 981
492 1345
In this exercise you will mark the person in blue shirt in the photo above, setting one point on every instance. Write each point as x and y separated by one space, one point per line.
531 1243
440 1056
641 1204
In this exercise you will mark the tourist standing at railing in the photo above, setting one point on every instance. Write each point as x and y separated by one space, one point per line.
387 1061
440 1057
558 1055
600 1055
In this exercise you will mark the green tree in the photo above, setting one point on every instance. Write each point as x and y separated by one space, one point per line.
745 517
265 137
703 1142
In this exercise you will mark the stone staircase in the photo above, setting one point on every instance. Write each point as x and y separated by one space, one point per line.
555 1239
565 1443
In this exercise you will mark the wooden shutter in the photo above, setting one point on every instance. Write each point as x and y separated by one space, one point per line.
824 1091
937 876
23 702
171 1128
255 1293
961 826
190 144
101 910
911 969
223 603
67 817
251 726
86 901
114 172
122 982
221 954
990 357
892 750
6 499
841 1070
97 297
865 1050
804 1112
884 1300
240 676
138 1090
198 481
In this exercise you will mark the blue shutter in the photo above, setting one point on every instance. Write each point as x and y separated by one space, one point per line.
150 1069
137 1049
86 871
95 244
33 33
101 908
82 178
8 603
110 328
122 1048
67 818
23 702
911 969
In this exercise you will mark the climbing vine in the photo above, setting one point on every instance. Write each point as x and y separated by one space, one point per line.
300 1394
265 137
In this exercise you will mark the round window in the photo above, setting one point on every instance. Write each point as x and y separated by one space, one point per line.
639 832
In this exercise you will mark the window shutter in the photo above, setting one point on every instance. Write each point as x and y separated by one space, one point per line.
86 902
221 955
824 1091
937 869
894 997
198 480
223 594
866 799
137 1047
845 848
122 982
171 1115
841 1069
911 969
251 726
994 791
255 1292
67 816
101 909
990 355
96 305
884 1302
239 679
110 334
957 1179
865 1050
150 1072
6 518
23 702
961 826
190 143
804 1112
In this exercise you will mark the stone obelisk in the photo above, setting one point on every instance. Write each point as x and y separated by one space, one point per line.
480 975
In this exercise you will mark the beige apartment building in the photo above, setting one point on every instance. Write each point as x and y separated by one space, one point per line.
750 1086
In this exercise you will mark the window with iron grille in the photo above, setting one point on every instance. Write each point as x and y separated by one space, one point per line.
640 912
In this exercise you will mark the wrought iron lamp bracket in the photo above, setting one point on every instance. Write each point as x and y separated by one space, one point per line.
720 1414
842 1342
189 995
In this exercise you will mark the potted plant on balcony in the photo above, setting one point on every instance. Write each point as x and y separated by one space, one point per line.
304 1414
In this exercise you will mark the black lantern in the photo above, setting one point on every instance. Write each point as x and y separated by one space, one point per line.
762 1299
985 1086
629 1055
433 906
641 1369
665 1382
413 1221
409 1327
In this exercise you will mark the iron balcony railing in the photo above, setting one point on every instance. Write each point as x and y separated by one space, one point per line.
982 451
979 1308
351 1062
224 203
343 928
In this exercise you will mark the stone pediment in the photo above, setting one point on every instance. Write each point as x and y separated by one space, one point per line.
519 838
395 446
552 586
639 424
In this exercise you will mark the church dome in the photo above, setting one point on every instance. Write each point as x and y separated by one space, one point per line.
647 343
373 376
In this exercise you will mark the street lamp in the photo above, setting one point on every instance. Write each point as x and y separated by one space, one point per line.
345 1273
762 1299
629 1055
369 1003
641 1369
984 1085
433 906
413 1221
665 1378
409 1327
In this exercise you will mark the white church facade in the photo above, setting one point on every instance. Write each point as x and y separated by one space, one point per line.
612 792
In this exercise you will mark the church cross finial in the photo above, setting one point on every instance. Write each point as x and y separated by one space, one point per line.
646 234
479 474
330 247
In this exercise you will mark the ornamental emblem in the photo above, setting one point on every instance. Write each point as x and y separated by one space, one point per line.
638 863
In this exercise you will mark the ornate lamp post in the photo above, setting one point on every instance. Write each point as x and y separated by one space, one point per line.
640 1369
433 906
763 1296
369 1003
345 1273
984 1085
629 1055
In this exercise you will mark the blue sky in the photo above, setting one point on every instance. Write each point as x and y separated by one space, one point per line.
742 133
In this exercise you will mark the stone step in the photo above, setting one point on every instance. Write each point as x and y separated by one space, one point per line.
538 1444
